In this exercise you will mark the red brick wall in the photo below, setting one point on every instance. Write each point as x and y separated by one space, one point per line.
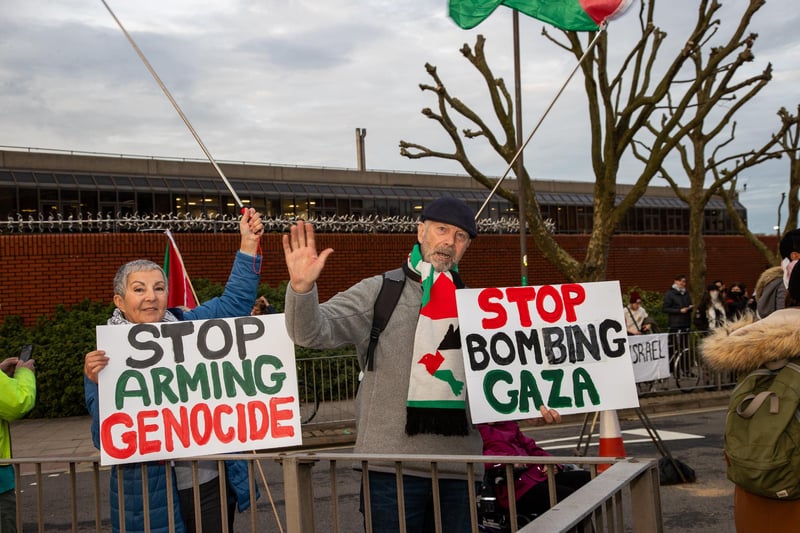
39 271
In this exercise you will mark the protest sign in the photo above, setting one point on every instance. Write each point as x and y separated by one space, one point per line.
184 389
650 356
563 346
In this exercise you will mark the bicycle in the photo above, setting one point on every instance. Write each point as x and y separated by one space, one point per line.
687 371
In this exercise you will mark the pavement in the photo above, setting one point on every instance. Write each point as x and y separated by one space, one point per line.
70 438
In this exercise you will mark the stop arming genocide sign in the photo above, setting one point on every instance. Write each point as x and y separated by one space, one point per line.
184 389
564 346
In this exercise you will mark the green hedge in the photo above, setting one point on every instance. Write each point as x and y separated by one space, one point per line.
653 303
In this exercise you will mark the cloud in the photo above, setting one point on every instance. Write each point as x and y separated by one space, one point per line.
288 82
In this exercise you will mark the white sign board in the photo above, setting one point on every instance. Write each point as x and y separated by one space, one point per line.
564 346
185 389
650 356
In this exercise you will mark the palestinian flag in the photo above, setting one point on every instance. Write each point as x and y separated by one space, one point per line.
437 394
180 292
574 15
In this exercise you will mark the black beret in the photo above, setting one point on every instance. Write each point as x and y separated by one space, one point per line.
451 211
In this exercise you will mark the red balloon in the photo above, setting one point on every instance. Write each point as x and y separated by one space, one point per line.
604 10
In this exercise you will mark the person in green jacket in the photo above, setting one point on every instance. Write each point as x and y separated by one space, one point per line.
17 397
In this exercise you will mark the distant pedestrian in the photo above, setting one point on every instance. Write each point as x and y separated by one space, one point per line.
737 302
678 307
636 316
710 312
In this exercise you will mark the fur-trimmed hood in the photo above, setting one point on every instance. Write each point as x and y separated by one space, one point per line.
747 343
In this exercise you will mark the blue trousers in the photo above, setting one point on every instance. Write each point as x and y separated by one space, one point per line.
418 497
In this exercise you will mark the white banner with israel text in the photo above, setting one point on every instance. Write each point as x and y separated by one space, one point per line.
650 356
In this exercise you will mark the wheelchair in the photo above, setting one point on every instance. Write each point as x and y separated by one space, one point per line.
493 517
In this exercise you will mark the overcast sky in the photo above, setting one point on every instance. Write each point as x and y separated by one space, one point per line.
288 81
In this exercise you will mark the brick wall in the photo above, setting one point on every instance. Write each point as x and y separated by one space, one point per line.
39 271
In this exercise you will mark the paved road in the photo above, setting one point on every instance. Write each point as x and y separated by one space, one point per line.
695 437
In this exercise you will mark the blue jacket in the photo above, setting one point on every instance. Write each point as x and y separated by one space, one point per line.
237 300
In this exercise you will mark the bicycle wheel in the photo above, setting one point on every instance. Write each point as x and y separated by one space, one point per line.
309 402
688 375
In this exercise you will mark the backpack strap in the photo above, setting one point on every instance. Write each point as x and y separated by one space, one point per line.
393 282
755 401
752 402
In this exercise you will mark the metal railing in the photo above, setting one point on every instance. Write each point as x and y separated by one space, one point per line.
688 371
306 492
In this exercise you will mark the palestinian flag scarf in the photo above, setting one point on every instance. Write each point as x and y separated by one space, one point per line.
436 391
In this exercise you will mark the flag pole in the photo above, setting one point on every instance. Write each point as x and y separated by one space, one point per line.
176 106
522 184
180 260
602 28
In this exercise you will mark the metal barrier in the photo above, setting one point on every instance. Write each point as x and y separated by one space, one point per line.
688 371
331 384
306 492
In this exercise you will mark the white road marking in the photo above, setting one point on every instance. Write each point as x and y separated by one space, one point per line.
572 442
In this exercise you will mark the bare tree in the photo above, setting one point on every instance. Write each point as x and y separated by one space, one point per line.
620 107
715 89
788 138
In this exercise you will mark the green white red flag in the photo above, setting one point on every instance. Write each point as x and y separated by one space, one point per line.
180 292
574 15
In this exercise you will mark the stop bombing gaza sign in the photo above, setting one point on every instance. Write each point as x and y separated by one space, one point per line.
197 387
564 346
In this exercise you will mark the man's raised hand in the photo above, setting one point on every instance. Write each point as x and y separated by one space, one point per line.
302 260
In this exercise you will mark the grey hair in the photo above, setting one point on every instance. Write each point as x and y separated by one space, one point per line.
137 265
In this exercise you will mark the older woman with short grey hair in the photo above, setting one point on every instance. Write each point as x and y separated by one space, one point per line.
140 296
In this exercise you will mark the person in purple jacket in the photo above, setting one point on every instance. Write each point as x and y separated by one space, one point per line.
530 485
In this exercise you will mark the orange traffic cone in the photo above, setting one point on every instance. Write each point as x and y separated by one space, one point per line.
610 438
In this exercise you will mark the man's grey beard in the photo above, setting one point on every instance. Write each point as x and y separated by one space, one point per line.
428 255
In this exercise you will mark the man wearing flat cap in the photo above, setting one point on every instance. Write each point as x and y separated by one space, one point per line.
399 399
412 398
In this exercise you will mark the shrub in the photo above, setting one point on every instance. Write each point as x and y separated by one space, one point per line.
652 301
60 343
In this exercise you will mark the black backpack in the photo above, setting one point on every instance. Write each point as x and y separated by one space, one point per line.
393 282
